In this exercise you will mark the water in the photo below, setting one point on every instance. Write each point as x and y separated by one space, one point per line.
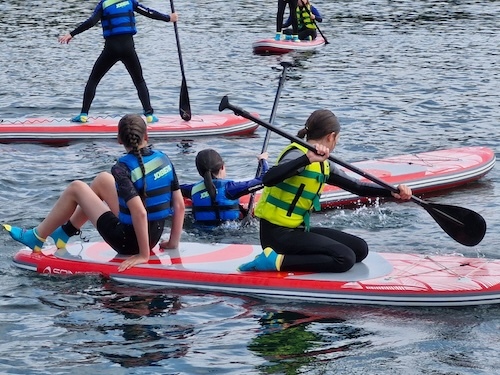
402 77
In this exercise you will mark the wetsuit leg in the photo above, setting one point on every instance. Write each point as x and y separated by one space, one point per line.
280 15
293 14
104 62
133 65
306 33
122 238
319 250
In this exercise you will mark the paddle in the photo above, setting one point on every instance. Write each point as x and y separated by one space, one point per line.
184 106
463 225
317 27
285 66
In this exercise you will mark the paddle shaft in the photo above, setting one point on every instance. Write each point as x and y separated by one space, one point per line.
184 105
285 66
351 167
317 27
463 225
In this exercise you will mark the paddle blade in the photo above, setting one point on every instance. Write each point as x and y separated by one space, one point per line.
184 105
463 225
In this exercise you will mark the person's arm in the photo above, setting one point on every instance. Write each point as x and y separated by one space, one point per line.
288 23
151 13
289 165
237 189
85 25
186 190
140 224
317 15
177 221
364 189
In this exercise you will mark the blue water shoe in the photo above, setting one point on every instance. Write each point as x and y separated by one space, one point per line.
60 238
151 118
268 260
277 37
82 118
28 237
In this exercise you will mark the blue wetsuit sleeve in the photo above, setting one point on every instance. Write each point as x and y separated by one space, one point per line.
186 190
237 189
151 13
364 189
89 22
288 22
316 14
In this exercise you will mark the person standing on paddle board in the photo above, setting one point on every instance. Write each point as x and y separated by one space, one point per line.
292 5
292 190
215 199
128 206
307 15
118 27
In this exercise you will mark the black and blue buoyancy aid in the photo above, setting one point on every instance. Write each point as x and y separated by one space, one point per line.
222 209
157 197
118 17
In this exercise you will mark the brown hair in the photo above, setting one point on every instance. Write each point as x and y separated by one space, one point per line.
320 123
131 131
209 163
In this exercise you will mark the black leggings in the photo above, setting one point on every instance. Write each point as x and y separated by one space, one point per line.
281 12
304 34
117 48
319 250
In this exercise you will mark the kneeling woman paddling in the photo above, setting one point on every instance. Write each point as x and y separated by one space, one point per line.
292 190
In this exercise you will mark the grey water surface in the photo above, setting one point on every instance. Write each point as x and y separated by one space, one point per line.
402 76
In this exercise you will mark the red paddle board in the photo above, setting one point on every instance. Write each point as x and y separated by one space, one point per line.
425 172
51 130
278 47
381 279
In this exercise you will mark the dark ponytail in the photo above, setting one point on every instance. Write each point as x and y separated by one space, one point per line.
320 123
208 164
131 132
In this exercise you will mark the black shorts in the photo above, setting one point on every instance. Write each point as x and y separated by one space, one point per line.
121 237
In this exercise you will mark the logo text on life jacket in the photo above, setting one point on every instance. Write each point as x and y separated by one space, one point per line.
122 4
162 172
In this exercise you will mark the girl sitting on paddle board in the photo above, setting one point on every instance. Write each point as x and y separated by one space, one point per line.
127 206
307 15
215 198
292 190
118 28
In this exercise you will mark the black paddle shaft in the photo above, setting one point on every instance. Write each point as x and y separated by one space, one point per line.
463 225
317 27
251 201
184 104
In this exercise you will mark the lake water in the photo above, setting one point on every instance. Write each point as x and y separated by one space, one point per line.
402 76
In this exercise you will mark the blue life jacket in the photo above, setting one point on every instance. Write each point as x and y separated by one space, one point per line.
213 213
159 177
118 17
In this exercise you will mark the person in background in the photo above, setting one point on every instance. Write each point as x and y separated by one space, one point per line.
292 5
118 27
292 190
215 199
307 15
128 206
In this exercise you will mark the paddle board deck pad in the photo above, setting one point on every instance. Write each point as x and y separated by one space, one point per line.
278 47
426 172
51 130
381 279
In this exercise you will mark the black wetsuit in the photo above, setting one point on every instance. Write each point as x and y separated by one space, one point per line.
319 249
293 14
118 48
